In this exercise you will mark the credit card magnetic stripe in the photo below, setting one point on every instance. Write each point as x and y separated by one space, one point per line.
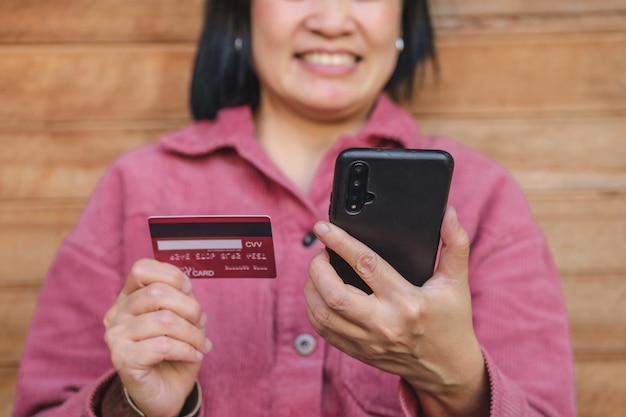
210 229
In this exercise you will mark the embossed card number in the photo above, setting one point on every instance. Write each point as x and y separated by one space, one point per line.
215 246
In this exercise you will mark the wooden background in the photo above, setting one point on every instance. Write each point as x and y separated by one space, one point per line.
540 85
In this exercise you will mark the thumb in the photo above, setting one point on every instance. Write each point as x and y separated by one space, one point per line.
454 258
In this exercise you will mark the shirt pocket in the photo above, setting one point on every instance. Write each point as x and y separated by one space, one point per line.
376 392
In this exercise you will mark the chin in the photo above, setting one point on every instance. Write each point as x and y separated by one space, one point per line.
337 106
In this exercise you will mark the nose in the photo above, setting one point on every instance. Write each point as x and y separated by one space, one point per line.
331 18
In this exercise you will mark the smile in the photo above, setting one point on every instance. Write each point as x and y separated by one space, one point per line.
328 59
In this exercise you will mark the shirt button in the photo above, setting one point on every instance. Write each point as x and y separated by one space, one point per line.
304 344
309 239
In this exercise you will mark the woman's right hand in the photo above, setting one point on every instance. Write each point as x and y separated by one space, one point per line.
156 334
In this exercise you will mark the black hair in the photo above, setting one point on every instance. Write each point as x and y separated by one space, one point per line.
223 76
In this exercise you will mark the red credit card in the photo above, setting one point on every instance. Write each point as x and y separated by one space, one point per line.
215 246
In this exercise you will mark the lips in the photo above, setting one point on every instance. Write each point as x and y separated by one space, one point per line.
329 59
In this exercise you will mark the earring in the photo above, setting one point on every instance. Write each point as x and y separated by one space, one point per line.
399 44
238 44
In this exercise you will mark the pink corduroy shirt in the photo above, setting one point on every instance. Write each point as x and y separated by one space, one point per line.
256 368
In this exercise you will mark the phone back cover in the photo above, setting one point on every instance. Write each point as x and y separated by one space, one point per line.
402 224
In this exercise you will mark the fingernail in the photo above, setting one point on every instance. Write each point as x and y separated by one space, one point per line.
207 346
321 228
203 320
199 355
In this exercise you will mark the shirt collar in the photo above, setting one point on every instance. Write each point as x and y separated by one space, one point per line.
388 125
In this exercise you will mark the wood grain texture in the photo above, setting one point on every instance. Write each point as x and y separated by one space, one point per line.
31 235
600 387
64 163
586 232
16 309
547 154
94 83
88 21
596 305
7 390
542 7
491 76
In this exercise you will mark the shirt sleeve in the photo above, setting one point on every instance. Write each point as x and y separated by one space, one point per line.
519 311
518 307
65 364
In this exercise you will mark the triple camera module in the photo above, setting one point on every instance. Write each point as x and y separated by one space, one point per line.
358 195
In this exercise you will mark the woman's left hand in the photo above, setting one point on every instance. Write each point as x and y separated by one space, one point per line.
423 334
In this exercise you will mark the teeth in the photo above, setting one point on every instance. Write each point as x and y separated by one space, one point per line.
330 59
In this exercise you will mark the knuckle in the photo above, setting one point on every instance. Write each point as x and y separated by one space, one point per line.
155 290
107 321
165 318
366 264
113 335
392 335
337 299
195 310
323 316
139 268
162 345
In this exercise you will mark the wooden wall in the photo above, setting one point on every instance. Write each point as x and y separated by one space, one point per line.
538 85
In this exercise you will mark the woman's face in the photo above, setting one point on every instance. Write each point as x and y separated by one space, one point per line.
326 59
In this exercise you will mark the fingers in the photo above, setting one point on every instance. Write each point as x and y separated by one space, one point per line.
148 271
156 318
151 286
160 296
151 338
453 261
329 301
375 271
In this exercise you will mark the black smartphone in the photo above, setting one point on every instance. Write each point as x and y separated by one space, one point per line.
392 200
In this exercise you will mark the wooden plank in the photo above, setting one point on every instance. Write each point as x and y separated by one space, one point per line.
585 232
8 377
487 76
165 20
16 310
596 306
535 24
88 21
97 83
63 163
600 388
579 75
547 154
31 235
498 7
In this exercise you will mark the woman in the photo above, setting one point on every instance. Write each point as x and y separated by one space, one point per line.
280 88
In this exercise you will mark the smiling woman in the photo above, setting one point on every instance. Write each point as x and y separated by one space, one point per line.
279 89
225 76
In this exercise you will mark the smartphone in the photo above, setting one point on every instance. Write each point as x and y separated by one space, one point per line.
392 200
